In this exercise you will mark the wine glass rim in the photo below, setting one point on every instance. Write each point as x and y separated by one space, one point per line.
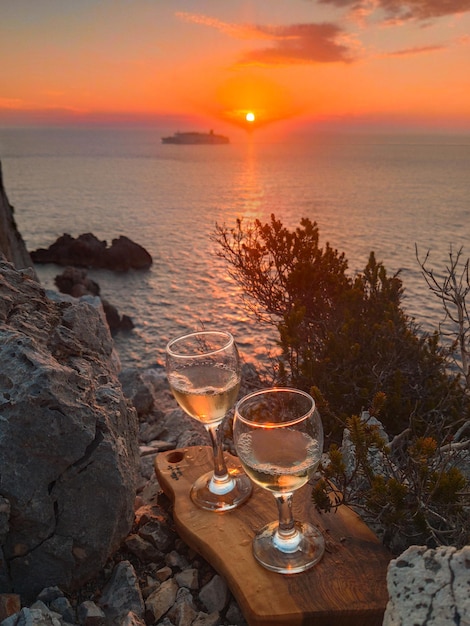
259 392
172 342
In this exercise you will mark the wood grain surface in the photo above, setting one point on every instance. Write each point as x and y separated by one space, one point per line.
346 588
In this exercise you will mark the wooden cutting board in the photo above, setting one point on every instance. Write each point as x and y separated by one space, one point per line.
346 588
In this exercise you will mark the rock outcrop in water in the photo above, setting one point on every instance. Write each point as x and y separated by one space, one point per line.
88 251
122 255
75 282
68 440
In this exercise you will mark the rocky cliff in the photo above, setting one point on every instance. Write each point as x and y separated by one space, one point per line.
12 245
68 440
68 436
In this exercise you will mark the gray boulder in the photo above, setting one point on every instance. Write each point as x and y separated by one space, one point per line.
68 440
122 594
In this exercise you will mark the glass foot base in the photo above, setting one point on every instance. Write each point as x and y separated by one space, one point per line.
213 495
302 551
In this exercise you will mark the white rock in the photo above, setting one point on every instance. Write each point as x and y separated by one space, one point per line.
429 587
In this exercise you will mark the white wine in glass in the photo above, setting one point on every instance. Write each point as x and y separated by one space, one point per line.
278 436
204 372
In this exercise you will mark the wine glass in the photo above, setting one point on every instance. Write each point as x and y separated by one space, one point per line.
278 436
204 373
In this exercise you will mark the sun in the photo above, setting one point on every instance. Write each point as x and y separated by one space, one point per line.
250 116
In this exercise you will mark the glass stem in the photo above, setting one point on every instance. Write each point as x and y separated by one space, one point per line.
286 533
286 519
220 468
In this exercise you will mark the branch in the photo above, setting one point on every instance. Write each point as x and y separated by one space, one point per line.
455 447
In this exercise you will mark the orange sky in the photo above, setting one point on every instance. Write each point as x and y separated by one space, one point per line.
328 63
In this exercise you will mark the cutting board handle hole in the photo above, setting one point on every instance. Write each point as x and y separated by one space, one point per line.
175 457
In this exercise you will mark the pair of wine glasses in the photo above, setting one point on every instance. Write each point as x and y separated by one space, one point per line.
278 438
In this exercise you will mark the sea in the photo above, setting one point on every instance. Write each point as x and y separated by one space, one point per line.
394 194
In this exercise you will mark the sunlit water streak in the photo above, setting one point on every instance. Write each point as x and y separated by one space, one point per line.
366 193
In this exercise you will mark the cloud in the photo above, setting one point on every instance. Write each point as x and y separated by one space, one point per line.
416 50
237 31
293 44
301 43
18 105
407 9
10 103
460 41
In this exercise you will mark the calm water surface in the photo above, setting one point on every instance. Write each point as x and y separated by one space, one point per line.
381 193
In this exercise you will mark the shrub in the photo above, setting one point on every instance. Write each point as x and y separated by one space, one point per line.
409 490
348 336
348 341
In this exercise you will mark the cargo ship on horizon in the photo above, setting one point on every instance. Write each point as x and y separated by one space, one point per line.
189 138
